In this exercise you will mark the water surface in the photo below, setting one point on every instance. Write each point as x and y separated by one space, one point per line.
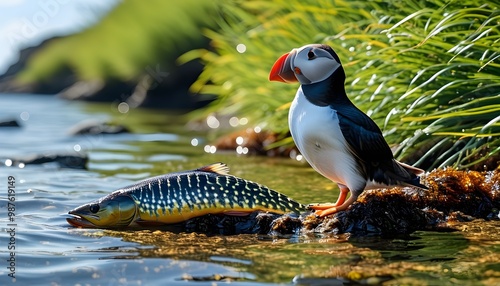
50 252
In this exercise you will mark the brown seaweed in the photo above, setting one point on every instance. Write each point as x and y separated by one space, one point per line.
453 196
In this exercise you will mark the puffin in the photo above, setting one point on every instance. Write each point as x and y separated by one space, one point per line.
336 138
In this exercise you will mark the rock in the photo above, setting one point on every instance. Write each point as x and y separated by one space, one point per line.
453 197
170 88
9 123
257 143
98 90
95 127
156 88
340 281
72 161
256 222
165 85
52 85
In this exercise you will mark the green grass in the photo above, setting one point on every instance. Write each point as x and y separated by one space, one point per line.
426 71
134 35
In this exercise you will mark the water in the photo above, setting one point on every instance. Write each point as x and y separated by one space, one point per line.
50 252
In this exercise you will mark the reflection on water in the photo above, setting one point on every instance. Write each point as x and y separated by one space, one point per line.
49 251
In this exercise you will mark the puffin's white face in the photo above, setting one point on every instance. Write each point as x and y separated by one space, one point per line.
307 64
312 64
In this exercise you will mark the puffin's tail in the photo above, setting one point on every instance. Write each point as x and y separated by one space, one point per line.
414 173
394 173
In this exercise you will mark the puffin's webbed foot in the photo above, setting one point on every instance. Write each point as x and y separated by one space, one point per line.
321 207
322 210
329 208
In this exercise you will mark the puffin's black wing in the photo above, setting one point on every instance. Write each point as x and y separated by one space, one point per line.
369 146
363 135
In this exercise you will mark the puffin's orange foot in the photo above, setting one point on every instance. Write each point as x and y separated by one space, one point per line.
321 207
322 210
326 212
329 206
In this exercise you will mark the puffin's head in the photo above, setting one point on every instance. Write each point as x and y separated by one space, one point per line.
307 64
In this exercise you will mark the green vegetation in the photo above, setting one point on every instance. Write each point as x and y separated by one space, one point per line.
426 71
131 37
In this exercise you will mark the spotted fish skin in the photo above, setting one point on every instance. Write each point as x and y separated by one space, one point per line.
179 196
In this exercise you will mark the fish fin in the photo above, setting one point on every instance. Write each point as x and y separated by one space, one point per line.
146 223
237 213
218 168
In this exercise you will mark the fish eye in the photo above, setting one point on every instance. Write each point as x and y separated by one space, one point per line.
94 208
311 55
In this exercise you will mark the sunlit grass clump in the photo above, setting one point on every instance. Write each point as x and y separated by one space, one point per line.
427 72
135 37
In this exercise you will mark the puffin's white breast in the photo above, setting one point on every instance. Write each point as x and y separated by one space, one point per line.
317 134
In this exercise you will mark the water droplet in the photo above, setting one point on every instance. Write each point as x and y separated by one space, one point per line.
242 150
210 149
241 48
194 142
227 85
239 140
234 121
25 115
123 107
243 121
213 122
77 148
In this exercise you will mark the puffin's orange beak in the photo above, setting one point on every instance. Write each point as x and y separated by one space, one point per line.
282 70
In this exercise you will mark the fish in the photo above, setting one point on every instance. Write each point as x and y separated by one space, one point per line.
176 197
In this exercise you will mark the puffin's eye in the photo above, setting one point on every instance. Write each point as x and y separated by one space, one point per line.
94 208
311 55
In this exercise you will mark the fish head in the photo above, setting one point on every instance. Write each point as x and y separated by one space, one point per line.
117 210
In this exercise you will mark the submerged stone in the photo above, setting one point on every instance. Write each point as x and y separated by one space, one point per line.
9 123
95 127
72 161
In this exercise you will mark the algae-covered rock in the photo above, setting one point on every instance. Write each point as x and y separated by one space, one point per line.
452 196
